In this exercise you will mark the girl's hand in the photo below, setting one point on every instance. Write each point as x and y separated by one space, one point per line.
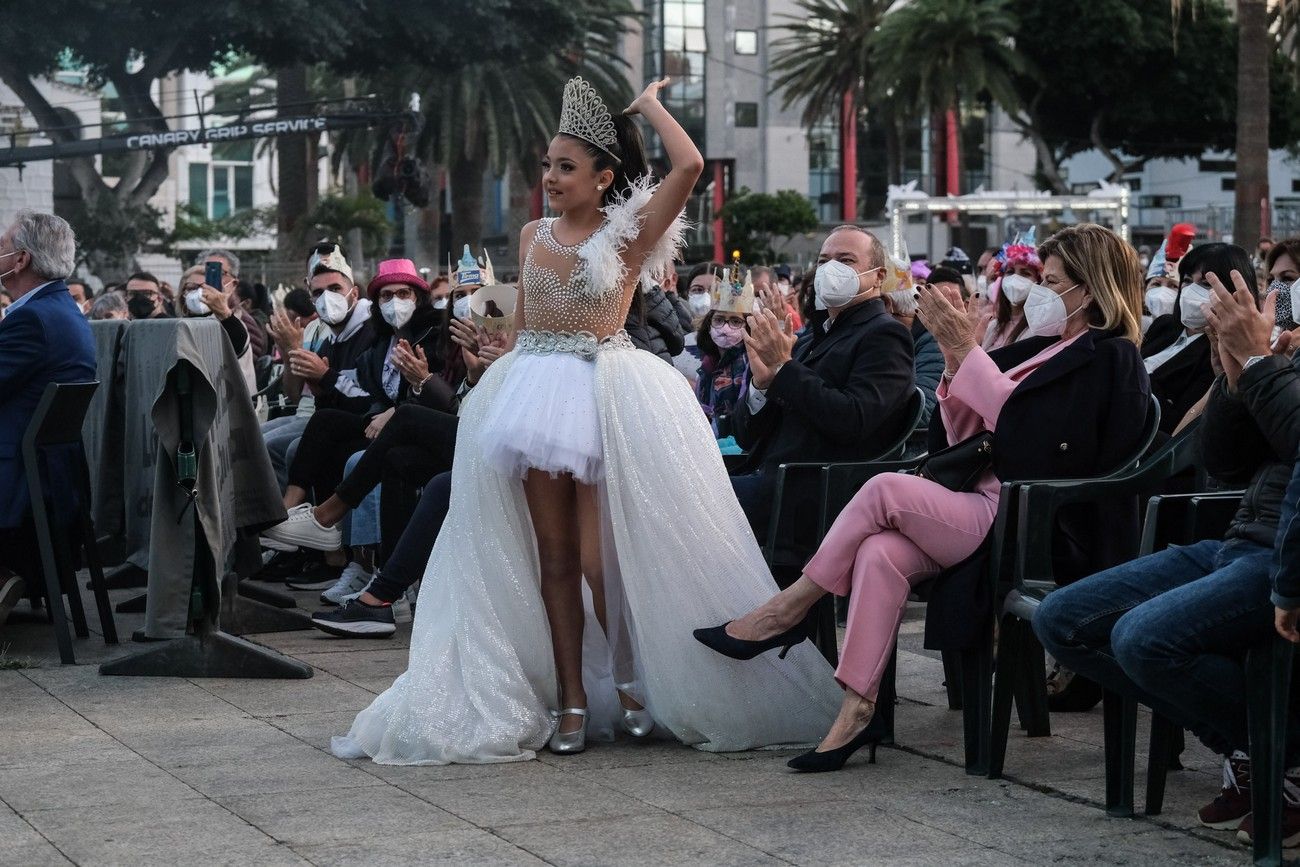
648 96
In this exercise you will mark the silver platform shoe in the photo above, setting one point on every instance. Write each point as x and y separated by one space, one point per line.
568 743
637 723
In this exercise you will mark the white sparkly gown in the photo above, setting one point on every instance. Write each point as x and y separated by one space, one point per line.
576 396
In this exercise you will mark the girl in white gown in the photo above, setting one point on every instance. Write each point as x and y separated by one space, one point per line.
581 456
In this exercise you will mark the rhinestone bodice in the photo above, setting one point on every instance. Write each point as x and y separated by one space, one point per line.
556 297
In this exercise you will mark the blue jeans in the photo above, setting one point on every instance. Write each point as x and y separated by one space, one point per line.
279 434
1170 630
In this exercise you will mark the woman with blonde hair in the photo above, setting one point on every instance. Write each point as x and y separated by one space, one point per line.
1071 400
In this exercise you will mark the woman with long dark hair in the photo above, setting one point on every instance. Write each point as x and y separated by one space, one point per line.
553 600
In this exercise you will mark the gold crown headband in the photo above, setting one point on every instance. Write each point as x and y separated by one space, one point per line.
583 115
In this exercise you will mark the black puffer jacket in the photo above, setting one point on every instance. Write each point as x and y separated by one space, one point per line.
658 329
1250 438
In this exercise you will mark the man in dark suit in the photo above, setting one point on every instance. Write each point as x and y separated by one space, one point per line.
841 393
43 339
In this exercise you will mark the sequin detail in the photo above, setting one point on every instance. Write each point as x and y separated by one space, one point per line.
583 344
557 294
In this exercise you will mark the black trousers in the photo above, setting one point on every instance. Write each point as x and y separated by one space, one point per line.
416 444
330 438
411 552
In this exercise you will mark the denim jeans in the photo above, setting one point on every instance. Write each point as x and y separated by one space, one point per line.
1170 630
361 526
279 434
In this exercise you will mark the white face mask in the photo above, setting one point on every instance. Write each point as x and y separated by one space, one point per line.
194 303
440 303
332 307
1016 288
397 311
1045 311
1194 297
460 308
700 303
1160 300
1295 298
836 284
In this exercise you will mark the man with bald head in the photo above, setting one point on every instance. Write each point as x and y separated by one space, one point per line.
840 393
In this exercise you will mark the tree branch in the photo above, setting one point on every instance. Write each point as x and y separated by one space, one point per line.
1094 134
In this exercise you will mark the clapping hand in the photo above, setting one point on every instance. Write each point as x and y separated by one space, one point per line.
1241 329
768 347
411 361
465 335
305 364
286 333
943 313
771 299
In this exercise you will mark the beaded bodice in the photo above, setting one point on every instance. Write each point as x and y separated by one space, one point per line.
557 297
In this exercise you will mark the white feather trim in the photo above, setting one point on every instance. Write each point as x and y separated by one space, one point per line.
602 252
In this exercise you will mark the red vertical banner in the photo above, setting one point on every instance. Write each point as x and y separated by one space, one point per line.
848 159
535 202
719 199
953 154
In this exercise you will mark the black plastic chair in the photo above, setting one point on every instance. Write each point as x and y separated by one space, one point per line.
1268 685
1021 672
57 422
789 544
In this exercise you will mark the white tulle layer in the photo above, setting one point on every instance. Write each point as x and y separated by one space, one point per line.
545 418
679 554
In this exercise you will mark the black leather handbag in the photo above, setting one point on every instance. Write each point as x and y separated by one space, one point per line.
959 467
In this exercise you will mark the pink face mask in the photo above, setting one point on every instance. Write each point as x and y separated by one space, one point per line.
726 336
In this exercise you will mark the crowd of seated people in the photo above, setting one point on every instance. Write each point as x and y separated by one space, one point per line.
1056 365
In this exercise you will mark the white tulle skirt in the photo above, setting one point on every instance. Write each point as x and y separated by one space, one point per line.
545 418
678 554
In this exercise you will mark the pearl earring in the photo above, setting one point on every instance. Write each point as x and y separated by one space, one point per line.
599 187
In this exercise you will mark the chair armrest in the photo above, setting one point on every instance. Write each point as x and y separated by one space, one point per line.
843 480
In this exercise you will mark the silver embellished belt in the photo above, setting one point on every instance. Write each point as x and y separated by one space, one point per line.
583 344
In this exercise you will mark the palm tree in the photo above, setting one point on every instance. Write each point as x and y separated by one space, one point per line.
495 115
824 61
935 54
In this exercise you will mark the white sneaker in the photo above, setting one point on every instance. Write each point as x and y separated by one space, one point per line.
349 586
301 529
11 591
404 605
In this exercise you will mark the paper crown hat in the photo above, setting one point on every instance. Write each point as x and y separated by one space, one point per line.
468 272
732 295
492 307
333 261
1160 265
1172 249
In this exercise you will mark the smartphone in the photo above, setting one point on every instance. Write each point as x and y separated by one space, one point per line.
212 275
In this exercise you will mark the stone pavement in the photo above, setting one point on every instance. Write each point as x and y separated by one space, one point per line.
97 770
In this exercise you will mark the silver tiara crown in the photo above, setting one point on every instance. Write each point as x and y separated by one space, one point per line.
584 115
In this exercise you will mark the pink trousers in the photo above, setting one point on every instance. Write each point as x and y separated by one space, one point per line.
898 531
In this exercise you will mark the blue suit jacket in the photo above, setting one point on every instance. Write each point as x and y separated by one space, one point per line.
45 340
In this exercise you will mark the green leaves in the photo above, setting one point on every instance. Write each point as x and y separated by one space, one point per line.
754 220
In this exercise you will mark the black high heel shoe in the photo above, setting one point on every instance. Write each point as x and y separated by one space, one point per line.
813 762
716 638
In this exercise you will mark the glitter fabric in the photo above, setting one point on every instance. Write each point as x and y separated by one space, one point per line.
677 554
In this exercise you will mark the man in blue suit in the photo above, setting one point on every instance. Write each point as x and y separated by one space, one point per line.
43 339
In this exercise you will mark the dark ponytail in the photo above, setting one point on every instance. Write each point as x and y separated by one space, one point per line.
628 161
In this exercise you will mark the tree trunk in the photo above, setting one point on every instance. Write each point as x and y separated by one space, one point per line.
466 177
295 176
1253 52
893 147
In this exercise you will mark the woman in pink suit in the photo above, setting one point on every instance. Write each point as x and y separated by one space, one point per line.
1071 400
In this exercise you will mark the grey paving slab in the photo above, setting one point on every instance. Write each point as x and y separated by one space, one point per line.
832 832
309 817
449 848
361 664
21 844
130 780
163 833
627 752
250 769
1135 848
490 801
657 838
321 692
315 729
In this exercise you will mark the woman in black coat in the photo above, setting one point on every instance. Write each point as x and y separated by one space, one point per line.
1176 350
1071 400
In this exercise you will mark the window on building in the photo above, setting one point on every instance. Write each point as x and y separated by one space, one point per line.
220 189
824 170
1218 165
1228 184
677 47
746 41
746 114
1295 185
1134 184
